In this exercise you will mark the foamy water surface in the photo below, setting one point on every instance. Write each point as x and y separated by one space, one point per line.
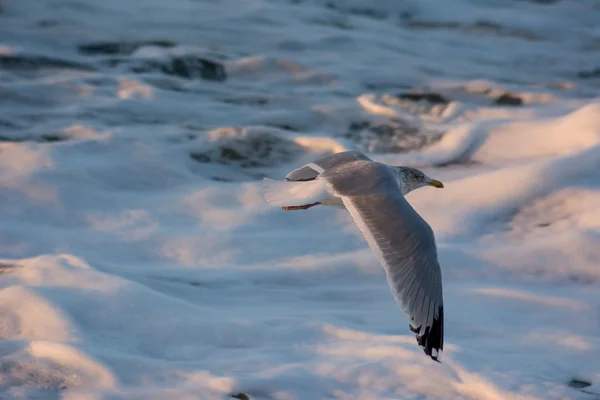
139 259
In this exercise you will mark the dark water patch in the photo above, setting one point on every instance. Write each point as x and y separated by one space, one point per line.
124 48
221 179
125 116
6 268
365 11
285 127
47 23
508 99
46 138
255 150
463 161
483 27
544 2
581 385
34 63
357 126
6 124
427 100
182 281
37 380
186 67
429 97
183 138
10 139
499 97
165 83
247 101
54 138
589 74
576 383
335 23
395 136
432 25
385 86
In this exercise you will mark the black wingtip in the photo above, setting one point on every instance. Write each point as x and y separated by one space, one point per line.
300 180
432 340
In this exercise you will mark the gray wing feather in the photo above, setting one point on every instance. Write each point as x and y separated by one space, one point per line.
310 171
403 243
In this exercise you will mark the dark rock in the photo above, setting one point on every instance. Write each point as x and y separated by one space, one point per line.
119 48
508 99
590 74
24 62
241 396
430 97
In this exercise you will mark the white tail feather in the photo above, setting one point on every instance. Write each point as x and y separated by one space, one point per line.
287 193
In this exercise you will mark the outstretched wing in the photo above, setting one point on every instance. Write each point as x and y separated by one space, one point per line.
310 171
403 243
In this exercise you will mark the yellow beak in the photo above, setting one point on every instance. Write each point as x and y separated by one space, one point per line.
435 183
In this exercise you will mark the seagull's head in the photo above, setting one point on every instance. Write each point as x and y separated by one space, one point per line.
410 179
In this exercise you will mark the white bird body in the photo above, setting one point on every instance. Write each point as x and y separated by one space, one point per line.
373 193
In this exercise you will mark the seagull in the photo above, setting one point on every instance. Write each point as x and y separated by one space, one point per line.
403 242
